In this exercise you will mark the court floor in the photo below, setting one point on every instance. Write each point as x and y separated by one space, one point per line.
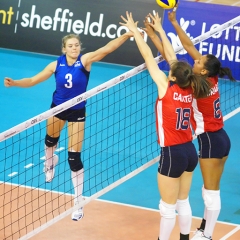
111 221
129 211
104 220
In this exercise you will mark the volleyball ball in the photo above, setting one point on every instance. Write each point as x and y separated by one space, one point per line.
167 4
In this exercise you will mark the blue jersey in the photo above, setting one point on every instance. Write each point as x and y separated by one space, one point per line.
71 81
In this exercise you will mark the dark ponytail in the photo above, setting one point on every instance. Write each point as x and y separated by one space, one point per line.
200 85
213 66
186 78
225 71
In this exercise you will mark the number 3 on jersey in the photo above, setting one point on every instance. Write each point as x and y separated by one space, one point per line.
183 118
69 83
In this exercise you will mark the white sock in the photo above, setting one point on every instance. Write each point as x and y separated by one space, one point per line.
77 179
212 212
205 213
49 151
166 226
211 221
184 215
168 219
205 209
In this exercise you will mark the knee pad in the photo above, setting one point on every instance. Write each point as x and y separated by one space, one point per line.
74 160
167 210
183 207
50 141
212 199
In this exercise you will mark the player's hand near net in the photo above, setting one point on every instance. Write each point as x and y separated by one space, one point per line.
172 14
129 22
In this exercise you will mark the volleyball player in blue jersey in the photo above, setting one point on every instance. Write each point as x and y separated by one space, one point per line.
71 72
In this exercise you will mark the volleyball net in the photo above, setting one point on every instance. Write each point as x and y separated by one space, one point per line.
120 141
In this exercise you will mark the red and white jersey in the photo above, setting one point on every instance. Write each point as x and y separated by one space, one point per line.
173 114
207 115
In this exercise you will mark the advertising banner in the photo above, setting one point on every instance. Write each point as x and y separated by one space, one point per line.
198 18
38 26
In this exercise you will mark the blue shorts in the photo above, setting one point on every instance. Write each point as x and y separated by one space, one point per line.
175 160
70 115
214 144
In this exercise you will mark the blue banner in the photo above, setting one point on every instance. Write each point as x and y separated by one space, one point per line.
198 18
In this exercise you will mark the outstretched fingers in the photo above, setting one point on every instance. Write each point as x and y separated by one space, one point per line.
128 21
172 14
124 19
155 21
128 17
175 7
154 18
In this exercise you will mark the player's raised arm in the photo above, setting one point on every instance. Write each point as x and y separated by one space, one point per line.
100 53
167 46
185 40
157 75
153 36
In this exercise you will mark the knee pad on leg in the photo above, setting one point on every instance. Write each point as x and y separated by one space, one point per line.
74 160
212 199
183 207
51 141
167 210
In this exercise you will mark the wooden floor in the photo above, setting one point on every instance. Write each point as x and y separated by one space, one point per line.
25 209
108 221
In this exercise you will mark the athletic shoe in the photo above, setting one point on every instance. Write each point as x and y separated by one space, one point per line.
200 236
50 171
78 214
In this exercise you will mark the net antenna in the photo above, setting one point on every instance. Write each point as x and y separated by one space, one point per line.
120 142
